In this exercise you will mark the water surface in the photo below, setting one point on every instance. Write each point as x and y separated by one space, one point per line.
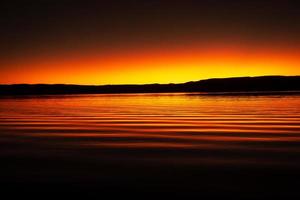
195 142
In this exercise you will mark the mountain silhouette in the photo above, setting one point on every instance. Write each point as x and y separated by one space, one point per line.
240 84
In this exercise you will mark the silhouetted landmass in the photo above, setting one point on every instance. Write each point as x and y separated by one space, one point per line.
241 84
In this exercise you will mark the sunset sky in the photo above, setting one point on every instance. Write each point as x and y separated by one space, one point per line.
122 42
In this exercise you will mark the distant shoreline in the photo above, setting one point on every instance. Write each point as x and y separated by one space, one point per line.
217 86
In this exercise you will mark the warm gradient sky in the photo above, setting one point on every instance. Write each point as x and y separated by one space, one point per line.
117 42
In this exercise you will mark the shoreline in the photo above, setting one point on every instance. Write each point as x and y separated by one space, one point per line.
241 85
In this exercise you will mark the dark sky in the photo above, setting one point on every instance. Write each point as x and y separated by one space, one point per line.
33 28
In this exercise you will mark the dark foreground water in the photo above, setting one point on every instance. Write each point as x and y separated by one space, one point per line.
182 144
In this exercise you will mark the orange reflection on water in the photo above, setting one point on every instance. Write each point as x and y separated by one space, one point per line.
153 120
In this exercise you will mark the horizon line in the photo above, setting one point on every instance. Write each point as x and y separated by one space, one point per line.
150 83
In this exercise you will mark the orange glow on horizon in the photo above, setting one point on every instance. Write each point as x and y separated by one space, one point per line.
152 66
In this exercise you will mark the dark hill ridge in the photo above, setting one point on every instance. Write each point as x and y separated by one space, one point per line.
241 84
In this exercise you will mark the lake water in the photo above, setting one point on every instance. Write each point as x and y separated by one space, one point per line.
219 144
